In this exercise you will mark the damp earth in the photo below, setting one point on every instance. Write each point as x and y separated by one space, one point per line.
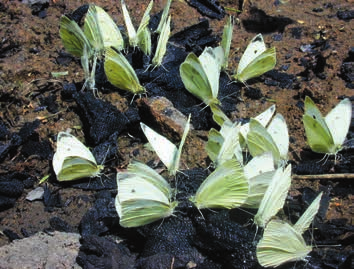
315 57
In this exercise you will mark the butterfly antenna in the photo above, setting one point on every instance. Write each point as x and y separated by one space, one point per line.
147 68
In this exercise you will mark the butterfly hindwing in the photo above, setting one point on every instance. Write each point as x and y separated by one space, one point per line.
281 243
120 73
226 187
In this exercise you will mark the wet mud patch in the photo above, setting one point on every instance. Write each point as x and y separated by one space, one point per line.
314 58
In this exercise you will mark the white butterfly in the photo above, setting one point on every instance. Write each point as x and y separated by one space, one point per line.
226 187
327 134
165 149
142 37
256 60
259 172
72 160
274 197
200 75
281 243
143 196
274 138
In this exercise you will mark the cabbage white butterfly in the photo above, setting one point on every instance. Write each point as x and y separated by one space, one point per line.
143 196
200 76
226 187
259 172
263 118
120 73
226 41
256 60
165 149
142 37
162 43
101 31
224 145
281 243
307 217
327 134
73 38
274 197
274 138
72 160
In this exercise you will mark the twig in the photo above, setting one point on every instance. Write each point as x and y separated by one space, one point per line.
324 176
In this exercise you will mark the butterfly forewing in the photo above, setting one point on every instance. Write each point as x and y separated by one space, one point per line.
120 73
279 132
73 38
274 197
259 65
281 243
338 121
255 48
307 217
76 168
226 187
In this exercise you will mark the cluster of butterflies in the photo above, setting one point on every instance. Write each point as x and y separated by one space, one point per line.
101 37
144 196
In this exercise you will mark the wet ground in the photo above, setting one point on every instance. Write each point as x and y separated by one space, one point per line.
30 44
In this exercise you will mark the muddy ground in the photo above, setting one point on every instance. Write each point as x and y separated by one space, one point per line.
30 44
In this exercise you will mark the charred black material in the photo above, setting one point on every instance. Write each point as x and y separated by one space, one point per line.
345 15
209 8
6 202
11 188
101 217
60 225
51 199
226 241
173 236
39 148
100 119
102 253
282 80
11 235
259 21
79 13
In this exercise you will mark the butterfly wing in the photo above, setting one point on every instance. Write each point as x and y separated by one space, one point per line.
163 147
195 79
73 38
226 41
133 40
279 132
101 29
338 121
143 32
92 29
281 243
140 201
120 73
211 60
318 135
74 168
226 187
162 43
274 197
69 146
149 174
307 217
260 141
263 118
164 16
258 66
